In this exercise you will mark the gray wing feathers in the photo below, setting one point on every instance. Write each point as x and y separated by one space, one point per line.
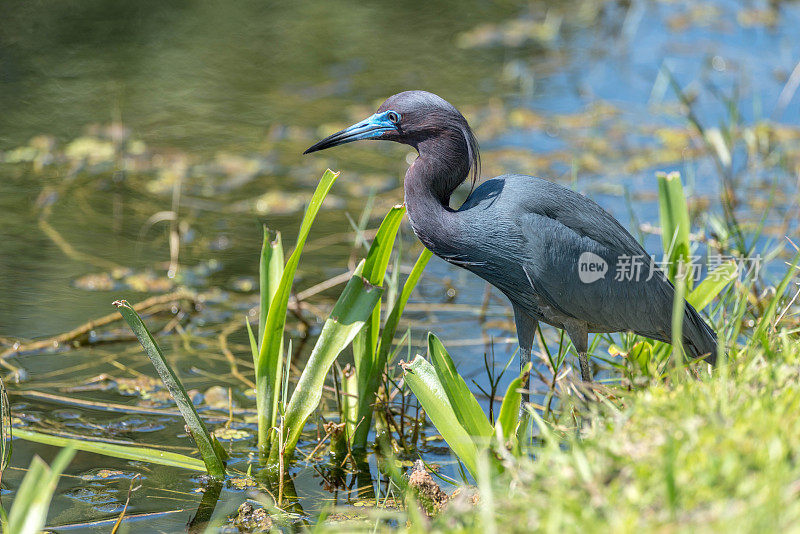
548 229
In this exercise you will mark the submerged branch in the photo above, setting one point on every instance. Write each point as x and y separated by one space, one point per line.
80 335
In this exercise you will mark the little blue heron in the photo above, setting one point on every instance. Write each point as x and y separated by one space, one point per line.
553 252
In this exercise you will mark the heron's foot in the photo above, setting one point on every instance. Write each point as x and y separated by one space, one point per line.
586 370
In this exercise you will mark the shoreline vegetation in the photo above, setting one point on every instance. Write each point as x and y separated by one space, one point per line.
656 442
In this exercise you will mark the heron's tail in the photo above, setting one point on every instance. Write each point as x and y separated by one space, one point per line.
698 338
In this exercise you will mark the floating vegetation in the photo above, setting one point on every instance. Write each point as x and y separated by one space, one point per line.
148 280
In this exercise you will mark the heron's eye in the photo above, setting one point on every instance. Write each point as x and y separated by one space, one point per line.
393 117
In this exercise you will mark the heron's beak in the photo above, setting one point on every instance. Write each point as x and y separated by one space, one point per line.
370 128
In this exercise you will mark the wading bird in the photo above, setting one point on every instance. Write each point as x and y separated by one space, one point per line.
550 250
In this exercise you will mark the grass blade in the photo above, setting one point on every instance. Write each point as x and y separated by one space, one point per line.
270 361
32 500
375 269
125 452
365 344
381 248
678 308
207 445
647 353
423 380
270 270
674 215
348 316
509 410
252 339
6 433
769 313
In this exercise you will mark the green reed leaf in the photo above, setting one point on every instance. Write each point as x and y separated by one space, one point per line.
209 450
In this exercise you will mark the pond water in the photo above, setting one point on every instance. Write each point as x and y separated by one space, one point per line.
222 98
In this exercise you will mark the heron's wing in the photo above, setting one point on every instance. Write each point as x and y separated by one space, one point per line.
527 236
519 196
626 294
583 216
557 227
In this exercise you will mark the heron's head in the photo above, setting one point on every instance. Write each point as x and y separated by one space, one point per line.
414 118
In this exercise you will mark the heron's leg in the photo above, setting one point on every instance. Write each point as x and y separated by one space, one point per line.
524 358
586 371
579 335
526 329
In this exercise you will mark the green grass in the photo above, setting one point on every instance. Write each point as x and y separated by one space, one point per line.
32 499
658 448
718 454
715 453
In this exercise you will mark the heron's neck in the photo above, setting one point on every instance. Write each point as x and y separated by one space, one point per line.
442 165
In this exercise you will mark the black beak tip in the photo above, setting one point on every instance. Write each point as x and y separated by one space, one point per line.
314 148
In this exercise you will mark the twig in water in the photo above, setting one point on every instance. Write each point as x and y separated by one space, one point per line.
319 445
131 489
67 248
223 344
110 406
81 333
174 232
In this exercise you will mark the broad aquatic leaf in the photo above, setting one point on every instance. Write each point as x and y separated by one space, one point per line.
32 500
509 410
678 314
423 380
348 316
464 404
712 285
350 400
270 270
674 215
125 452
